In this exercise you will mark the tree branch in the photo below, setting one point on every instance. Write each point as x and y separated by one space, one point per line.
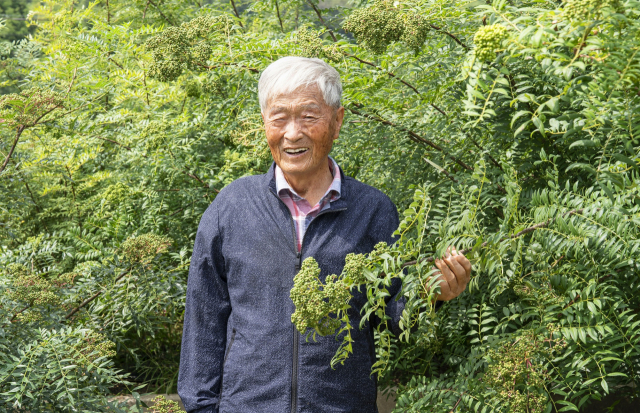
333 36
279 19
251 69
235 10
161 13
510 237
13 147
434 27
414 135
93 297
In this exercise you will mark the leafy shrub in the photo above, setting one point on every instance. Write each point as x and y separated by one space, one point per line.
508 129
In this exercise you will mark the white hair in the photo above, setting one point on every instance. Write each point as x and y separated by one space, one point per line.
290 73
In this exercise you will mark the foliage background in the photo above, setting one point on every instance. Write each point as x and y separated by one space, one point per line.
507 128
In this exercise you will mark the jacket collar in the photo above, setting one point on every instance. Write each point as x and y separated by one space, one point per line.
340 203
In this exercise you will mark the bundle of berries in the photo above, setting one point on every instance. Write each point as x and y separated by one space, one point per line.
322 307
311 45
92 347
582 10
161 404
488 41
179 48
318 305
142 249
382 24
29 107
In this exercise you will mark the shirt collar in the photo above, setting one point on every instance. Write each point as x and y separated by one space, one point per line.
334 189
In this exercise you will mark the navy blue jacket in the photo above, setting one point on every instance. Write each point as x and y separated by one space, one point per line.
240 351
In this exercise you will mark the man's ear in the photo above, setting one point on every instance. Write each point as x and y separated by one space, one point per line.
262 114
339 119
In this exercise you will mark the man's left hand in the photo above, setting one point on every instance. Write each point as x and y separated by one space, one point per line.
455 272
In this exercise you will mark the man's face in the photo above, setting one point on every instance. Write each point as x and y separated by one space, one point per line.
300 129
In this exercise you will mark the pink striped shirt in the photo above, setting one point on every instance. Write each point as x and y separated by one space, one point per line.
301 211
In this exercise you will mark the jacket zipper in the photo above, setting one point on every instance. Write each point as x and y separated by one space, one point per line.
296 335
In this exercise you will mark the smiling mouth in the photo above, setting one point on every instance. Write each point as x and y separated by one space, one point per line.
296 151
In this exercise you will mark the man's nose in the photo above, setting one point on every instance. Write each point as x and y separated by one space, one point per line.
293 130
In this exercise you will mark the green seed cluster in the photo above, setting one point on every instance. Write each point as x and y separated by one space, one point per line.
582 10
488 41
93 346
33 289
29 106
317 304
515 371
29 316
212 86
311 44
116 194
382 24
353 271
142 249
179 48
162 405
192 88
154 134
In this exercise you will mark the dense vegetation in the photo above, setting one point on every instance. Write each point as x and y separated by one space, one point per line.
508 128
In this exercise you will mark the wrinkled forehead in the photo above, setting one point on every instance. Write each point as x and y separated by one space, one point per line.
303 97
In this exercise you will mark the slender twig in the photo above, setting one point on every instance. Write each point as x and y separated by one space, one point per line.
488 154
93 297
434 27
32 197
510 237
161 14
144 13
117 143
333 36
13 147
235 10
414 135
279 19
251 69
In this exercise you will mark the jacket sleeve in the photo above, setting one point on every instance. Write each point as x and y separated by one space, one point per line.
205 320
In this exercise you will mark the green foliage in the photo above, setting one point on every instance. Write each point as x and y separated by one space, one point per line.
508 129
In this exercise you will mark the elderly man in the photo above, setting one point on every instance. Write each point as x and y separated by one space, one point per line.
240 351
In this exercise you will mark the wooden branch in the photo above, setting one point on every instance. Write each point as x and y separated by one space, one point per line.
333 36
161 13
251 69
279 19
414 135
510 237
235 10
434 27
93 297
13 147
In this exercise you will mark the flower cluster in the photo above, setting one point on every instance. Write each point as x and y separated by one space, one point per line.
179 48
517 374
311 45
317 305
154 134
142 249
93 346
588 9
116 194
354 265
382 24
29 106
162 405
488 41
31 289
